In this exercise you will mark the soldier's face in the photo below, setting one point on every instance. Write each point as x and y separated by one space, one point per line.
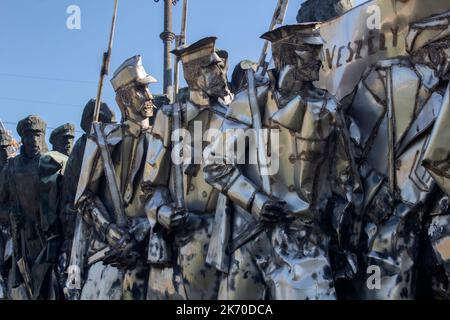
64 144
308 62
139 102
33 142
214 80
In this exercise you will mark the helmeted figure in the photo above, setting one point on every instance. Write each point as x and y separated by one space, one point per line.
68 215
185 207
62 138
111 195
310 178
6 152
394 109
33 214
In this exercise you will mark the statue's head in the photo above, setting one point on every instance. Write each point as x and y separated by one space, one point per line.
32 132
428 43
106 115
297 50
238 77
62 138
130 82
6 147
205 68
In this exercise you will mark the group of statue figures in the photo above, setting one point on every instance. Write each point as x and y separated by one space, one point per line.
357 206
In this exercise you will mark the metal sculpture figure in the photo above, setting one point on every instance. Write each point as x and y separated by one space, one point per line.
70 220
111 196
394 110
278 240
185 206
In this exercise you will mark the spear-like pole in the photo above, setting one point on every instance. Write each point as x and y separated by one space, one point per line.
277 19
2 127
180 40
105 64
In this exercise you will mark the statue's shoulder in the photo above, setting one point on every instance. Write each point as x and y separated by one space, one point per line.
161 126
111 129
52 162
240 110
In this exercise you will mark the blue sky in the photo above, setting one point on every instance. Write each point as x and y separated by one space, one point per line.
49 70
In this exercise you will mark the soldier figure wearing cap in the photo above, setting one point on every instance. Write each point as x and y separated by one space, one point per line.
34 213
315 179
111 192
62 138
395 107
184 204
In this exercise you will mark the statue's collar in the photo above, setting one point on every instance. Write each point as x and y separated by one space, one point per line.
134 128
290 115
199 98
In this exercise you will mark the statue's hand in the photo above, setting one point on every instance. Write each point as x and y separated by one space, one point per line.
269 209
124 254
114 234
172 218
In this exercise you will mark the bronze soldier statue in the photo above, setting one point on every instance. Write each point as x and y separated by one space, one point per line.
395 107
111 194
34 213
302 178
62 138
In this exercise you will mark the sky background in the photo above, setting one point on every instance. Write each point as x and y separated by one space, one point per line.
49 70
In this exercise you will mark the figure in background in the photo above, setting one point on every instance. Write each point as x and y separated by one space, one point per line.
238 77
62 138
68 214
6 152
30 189
394 110
111 194
291 199
322 10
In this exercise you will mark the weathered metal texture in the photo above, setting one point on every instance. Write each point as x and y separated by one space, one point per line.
198 280
117 242
322 10
34 215
396 106
184 204
348 54
309 140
